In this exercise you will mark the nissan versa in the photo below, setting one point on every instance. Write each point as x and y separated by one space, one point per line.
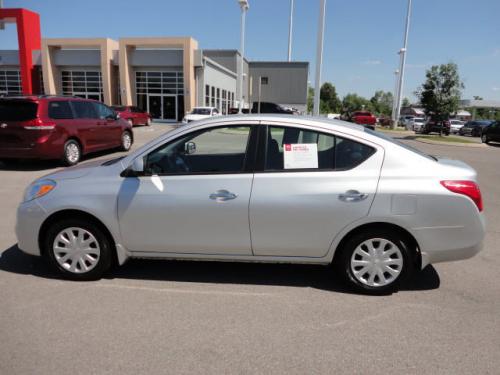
262 188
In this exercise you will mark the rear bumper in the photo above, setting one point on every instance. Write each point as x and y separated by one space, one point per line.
39 150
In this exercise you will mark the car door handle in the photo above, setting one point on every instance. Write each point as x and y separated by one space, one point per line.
352 196
222 196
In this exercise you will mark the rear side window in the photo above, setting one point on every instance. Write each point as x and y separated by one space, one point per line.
17 110
299 149
103 111
60 110
84 109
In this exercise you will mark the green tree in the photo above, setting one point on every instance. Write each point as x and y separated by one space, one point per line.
310 99
440 93
330 102
405 103
382 102
354 102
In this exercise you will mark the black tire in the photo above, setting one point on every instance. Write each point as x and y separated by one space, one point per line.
485 139
345 268
72 153
104 260
125 144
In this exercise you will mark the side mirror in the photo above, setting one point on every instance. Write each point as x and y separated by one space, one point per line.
190 148
137 167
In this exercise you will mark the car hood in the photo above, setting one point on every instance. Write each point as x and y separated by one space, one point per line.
77 171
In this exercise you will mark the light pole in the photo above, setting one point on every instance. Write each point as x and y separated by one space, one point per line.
319 56
290 28
394 98
402 62
244 7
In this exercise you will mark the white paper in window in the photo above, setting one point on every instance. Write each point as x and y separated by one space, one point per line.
300 155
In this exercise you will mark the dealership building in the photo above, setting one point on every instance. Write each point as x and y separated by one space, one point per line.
165 76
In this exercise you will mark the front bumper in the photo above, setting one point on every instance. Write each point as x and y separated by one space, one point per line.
30 217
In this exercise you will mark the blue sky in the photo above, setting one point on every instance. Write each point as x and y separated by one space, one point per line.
362 37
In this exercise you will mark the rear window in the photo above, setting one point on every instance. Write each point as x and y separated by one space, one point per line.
17 110
60 110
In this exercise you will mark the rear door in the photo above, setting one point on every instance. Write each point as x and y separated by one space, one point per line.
310 186
14 116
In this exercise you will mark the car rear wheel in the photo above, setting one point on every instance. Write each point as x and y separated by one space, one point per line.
126 141
375 262
72 152
77 249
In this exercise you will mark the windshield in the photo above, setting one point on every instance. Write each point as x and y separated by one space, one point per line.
404 145
201 111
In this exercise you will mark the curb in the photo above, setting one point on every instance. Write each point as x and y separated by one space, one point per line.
458 144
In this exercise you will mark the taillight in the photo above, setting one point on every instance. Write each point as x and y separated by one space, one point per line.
465 187
38 124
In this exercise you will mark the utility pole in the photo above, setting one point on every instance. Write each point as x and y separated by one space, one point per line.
402 63
244 7
319 56
290 29
394 98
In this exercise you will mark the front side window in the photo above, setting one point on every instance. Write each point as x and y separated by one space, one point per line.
84 109
215 150
103 111
60 110
300 149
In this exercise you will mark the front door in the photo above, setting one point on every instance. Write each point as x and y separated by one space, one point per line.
302 200
155 106
193 198
170 108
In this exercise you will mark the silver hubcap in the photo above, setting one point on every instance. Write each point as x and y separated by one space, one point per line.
72 153
376 262
76 250
126 141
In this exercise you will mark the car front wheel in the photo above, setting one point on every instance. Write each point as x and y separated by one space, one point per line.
126 141
77 249
375 262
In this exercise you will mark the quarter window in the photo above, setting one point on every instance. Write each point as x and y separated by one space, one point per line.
298 149
216 150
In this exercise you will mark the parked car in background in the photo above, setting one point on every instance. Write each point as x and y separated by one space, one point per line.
265 107
364 118
134 115
474 128
64 128
199 113
375 209
404 120
456 125
436 126
491 133
417 123
384 121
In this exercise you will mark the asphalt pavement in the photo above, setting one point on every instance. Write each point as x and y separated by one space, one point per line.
169 317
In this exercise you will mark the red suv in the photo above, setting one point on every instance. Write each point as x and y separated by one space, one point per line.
134 115
65 128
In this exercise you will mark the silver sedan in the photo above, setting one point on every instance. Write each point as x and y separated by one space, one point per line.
264 189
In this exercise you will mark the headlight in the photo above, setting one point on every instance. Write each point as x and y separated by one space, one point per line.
38 189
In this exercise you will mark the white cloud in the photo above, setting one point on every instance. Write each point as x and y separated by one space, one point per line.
372 62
